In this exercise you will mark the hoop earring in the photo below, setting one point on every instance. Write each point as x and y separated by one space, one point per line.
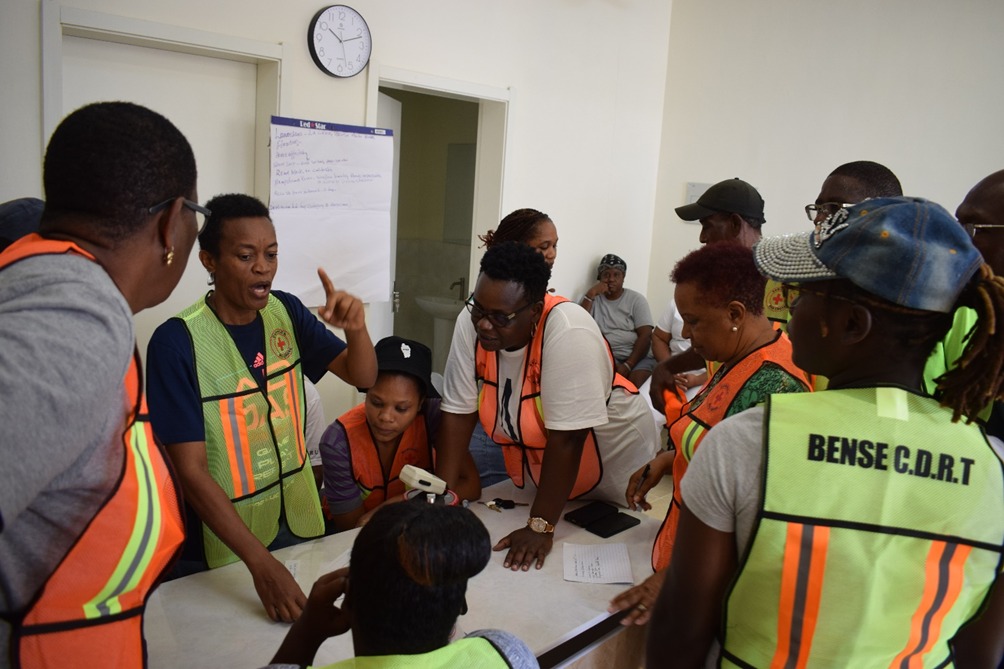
533 330
169 256
211 281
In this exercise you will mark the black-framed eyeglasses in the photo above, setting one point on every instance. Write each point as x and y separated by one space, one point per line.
971 228
792 293
814 211
194 206
496 318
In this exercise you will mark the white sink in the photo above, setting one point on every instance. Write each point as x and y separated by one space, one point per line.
440 307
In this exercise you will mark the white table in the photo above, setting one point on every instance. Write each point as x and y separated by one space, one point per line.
214 619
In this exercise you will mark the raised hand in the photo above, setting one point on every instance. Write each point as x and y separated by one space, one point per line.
340 309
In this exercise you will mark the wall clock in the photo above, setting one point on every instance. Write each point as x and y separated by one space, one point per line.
340 41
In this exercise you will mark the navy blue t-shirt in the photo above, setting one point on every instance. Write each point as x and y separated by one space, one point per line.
171 385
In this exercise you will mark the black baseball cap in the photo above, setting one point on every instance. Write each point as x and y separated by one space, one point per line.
397 354
732 196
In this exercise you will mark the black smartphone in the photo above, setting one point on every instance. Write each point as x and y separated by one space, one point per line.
590 513
608 526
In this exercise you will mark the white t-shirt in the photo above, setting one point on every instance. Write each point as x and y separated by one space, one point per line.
315 423
672 322
620 319
576 375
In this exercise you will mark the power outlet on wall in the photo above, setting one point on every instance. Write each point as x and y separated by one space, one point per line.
694 191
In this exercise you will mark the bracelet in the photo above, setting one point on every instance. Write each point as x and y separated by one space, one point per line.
586 297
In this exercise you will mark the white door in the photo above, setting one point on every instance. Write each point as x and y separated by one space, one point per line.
380 317
211 100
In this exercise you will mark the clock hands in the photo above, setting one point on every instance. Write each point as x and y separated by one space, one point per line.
352 38
336 36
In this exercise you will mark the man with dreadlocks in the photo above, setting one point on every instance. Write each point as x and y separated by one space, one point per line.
869 516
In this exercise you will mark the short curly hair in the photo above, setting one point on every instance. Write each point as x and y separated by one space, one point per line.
232 205
876 180
109 162
519 263
723 272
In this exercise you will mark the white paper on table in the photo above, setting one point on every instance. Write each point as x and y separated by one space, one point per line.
339 562
597 563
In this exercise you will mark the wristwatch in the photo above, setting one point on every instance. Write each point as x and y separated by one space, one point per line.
539 525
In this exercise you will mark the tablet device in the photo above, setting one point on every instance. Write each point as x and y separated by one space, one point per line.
590 513
607 526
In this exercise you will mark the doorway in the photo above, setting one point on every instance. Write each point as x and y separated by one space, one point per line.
462 187
435 210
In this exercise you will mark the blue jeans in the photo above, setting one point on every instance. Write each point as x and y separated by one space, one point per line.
488 457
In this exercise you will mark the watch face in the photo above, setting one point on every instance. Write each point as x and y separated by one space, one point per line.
538 525
339 41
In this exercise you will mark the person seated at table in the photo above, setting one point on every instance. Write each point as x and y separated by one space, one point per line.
868 516
227 400
408 570
720 295
668 340
364 451
536 370
536 230
624 317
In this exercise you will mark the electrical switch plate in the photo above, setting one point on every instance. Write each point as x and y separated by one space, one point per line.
694 191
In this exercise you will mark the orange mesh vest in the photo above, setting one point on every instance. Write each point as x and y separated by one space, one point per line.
414 449
707 409
90 611
528 450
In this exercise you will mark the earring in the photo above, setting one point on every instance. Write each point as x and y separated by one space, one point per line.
735 328
533 331
212 279
169 256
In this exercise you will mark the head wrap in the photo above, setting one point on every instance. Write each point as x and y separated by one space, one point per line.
611 261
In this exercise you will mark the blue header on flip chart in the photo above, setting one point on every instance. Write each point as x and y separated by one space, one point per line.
322 125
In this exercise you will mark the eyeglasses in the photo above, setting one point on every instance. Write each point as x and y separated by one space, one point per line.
194 206
971 228
791 294
496 318
814 211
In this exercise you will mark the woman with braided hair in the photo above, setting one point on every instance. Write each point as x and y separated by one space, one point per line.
536 230
526 226
862 525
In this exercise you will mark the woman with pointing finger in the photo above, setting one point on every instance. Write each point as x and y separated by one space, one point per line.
226 398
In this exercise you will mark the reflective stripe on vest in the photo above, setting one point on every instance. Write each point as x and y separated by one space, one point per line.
708 408
879 535
414 449
527 452
254 435
91 607
476 652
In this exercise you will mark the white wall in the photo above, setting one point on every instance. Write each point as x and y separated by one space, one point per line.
777 92
780 92
586 76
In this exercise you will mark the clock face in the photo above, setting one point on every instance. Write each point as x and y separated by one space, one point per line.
339 41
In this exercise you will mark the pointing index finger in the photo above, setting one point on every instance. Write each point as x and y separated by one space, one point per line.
329 287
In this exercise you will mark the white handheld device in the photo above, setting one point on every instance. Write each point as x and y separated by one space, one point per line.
416 477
